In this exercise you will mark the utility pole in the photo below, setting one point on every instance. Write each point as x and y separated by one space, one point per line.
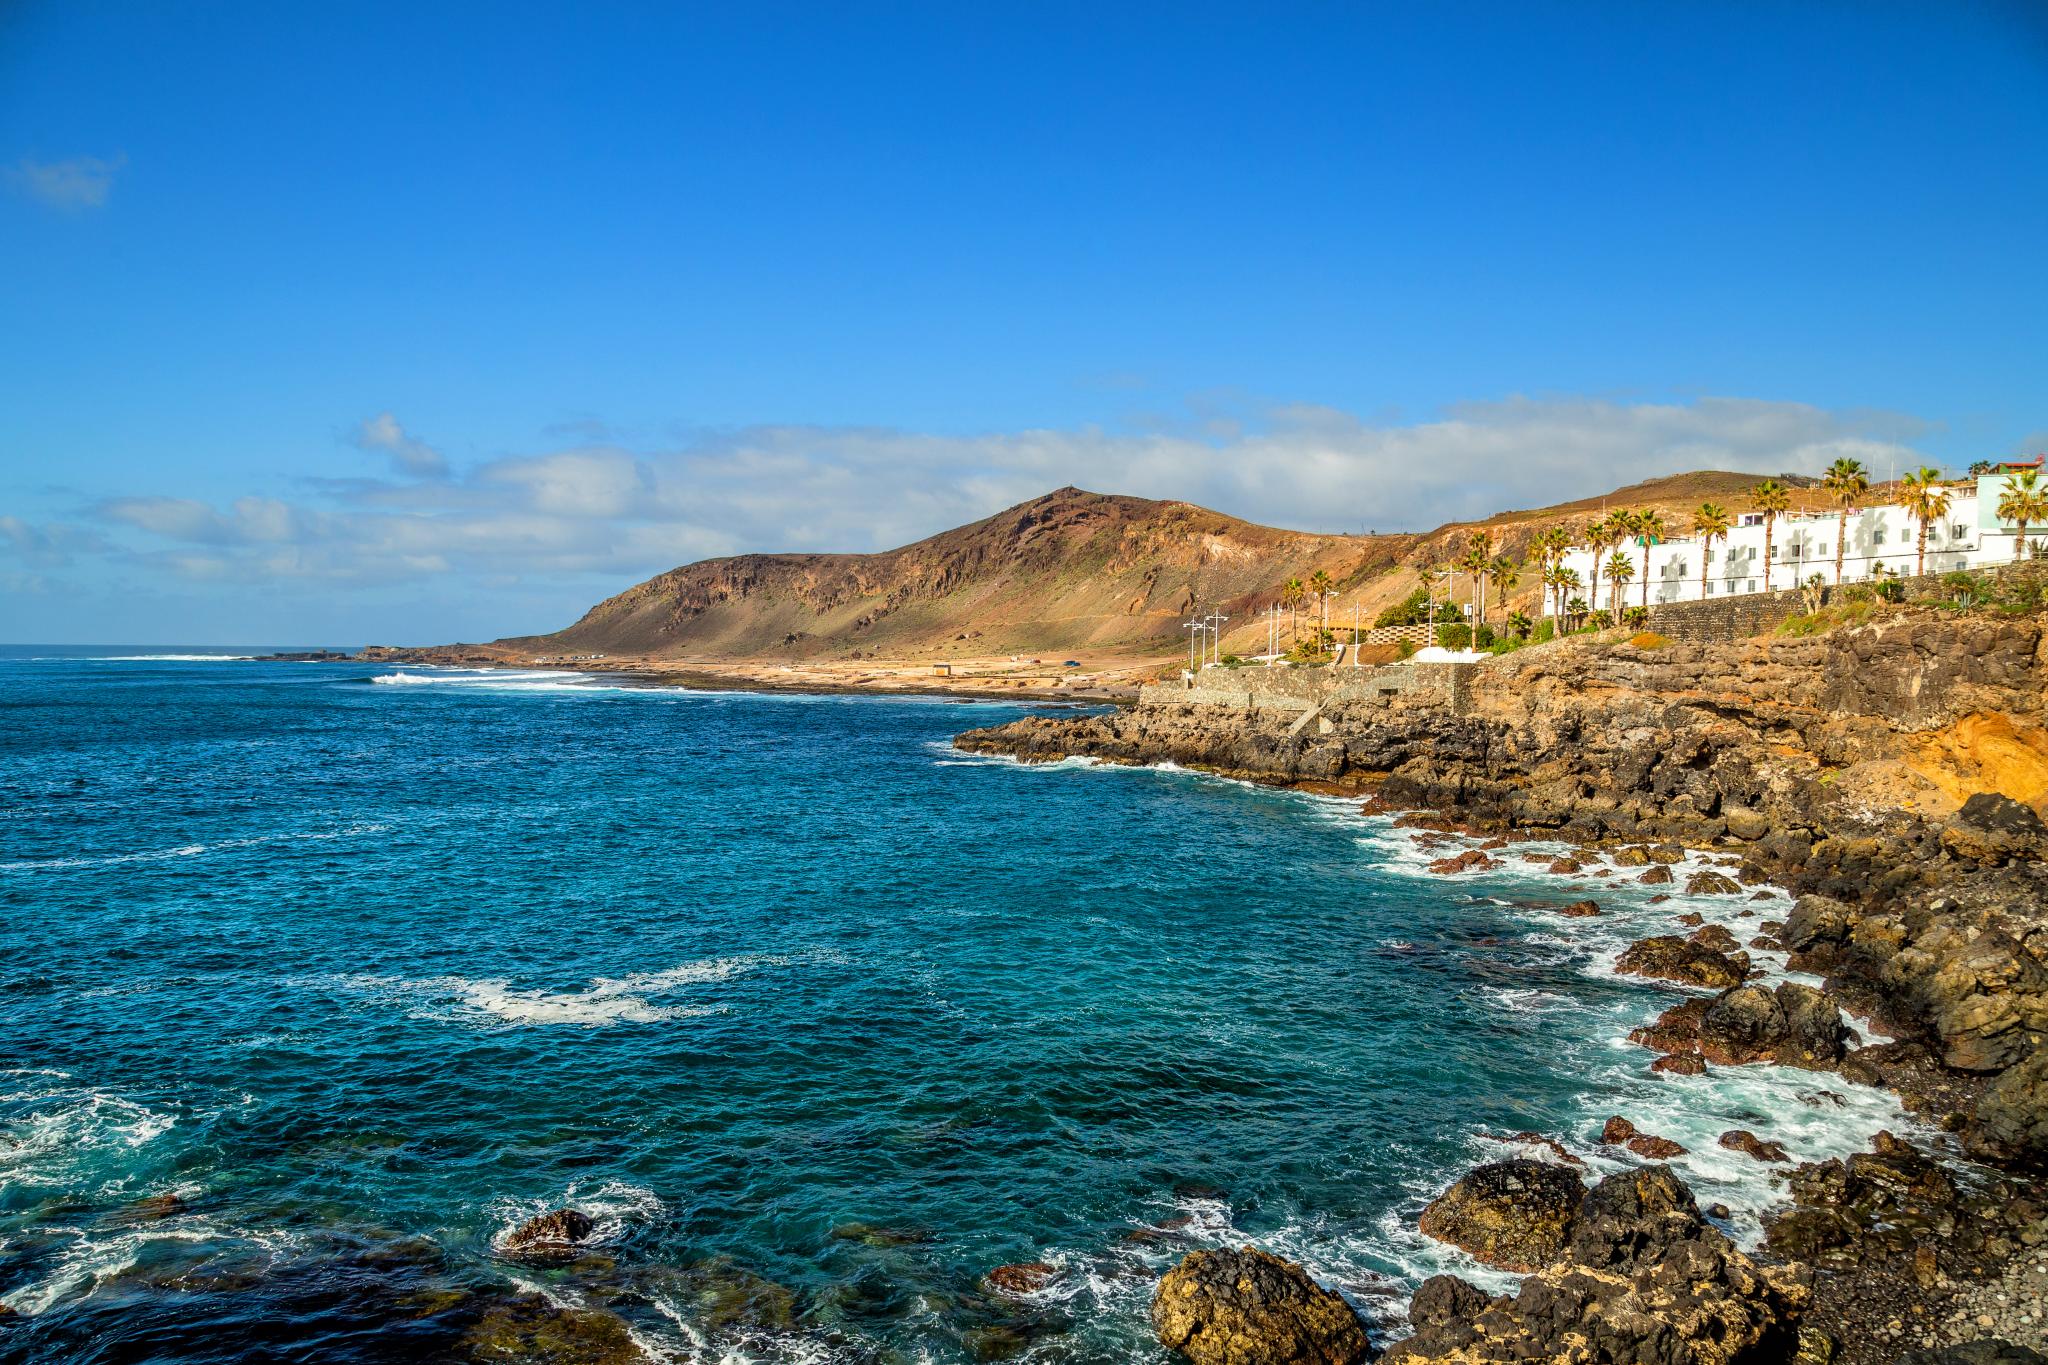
1194 629
1216 620
1354 632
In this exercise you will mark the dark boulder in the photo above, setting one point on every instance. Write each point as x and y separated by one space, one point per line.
1711 884
550 1235
1514 1215
1645 1281
1666 957
1748 1143
2012 1117
1249 1308
1657 876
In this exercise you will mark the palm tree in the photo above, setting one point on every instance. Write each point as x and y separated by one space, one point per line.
1925 500
1648 528
1620 569
1290 597
1573 606
2023 501
1710 523
1477 553
1503 573
1847 481
1769 498
1601 537
1519 625
1322 586
1553 584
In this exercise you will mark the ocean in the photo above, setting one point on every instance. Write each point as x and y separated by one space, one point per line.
320 978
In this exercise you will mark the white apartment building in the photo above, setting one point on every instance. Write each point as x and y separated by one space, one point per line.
1881 539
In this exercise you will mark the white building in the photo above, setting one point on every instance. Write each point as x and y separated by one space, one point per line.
1881 539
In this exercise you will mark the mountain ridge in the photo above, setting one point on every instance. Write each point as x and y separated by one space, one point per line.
1070 570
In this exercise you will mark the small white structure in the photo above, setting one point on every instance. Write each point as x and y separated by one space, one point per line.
1882 540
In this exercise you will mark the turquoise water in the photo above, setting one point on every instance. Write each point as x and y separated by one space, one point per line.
366 969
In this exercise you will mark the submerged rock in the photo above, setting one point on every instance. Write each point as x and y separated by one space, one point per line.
528 1330
1514 1215
1250 1308
550 1234
1026 1277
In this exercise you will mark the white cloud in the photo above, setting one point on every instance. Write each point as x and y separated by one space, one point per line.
409 455
589 519
83 182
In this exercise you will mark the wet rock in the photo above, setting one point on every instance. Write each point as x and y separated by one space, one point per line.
1710 884
1715 937
1471 860
1655 1148
1514 1215
155 1208
1532 1139
1578 910
1666 957
528 1330
1657 876
1631 857
1027 1277
2012 1117
1795 1025
1667 854
1645 1280
1748 1143
1692 919
871 1236
1566 867
1679 1064
1247 1307
1619 1132
550 1235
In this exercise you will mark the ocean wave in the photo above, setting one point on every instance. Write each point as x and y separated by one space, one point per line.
194 850
160 658
63 1134
612 1206
605 1002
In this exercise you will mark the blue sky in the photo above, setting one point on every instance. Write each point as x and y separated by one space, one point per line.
418 322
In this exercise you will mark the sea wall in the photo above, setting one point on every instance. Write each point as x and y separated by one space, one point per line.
1294 691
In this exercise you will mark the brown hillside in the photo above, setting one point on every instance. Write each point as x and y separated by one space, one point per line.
1069 570
1066 572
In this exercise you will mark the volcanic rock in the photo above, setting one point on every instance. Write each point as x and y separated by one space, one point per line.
1247 1307
1511 1214
550 1234
1666 957
1742 1140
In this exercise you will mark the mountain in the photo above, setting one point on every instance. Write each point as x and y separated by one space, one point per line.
1062 573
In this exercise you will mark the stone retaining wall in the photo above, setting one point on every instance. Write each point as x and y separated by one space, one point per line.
1307 689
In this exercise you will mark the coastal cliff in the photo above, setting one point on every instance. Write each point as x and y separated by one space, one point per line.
1890 775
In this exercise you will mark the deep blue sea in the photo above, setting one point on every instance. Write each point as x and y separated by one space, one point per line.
820 1019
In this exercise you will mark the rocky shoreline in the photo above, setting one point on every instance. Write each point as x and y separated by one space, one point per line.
1865 771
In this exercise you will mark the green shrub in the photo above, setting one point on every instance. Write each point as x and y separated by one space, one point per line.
1546 630
1411 610
1454 635
1404 649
